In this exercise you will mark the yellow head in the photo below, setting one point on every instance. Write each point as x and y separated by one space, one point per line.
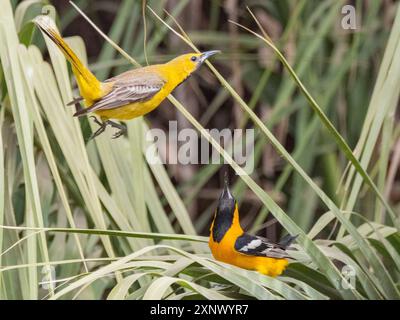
190 62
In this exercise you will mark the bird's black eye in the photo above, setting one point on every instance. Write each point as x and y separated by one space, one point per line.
193 58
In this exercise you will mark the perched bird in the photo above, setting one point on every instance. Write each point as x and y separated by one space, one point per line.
130 94
229 243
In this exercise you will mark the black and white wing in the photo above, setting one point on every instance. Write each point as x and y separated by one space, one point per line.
258 246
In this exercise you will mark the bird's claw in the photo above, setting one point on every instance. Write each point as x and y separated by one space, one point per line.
97 121
103 126
118 134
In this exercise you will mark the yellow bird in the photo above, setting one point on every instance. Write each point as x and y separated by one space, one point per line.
130 94
230 244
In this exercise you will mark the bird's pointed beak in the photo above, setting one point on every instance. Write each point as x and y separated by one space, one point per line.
226 192
226 202
206 54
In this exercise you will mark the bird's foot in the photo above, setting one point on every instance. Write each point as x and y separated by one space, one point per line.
118 134
103 126
97 121
122 129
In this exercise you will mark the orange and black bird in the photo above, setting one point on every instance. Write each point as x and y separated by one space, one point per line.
128 95
230 244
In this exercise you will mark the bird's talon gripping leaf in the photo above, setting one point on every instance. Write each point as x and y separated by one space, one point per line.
118 134
97 121
97 133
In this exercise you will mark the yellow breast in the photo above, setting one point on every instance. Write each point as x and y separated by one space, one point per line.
137 109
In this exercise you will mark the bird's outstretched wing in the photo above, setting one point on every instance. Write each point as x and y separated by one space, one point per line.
127 89
258 246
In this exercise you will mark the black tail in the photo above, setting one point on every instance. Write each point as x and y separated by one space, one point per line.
286 241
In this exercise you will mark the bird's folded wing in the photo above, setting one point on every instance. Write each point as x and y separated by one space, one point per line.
258 246
126 90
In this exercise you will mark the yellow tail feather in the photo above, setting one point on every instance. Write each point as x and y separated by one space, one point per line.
89 86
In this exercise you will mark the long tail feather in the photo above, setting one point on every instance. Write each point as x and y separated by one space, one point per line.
89 86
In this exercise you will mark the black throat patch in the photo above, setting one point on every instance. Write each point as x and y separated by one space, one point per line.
223 218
